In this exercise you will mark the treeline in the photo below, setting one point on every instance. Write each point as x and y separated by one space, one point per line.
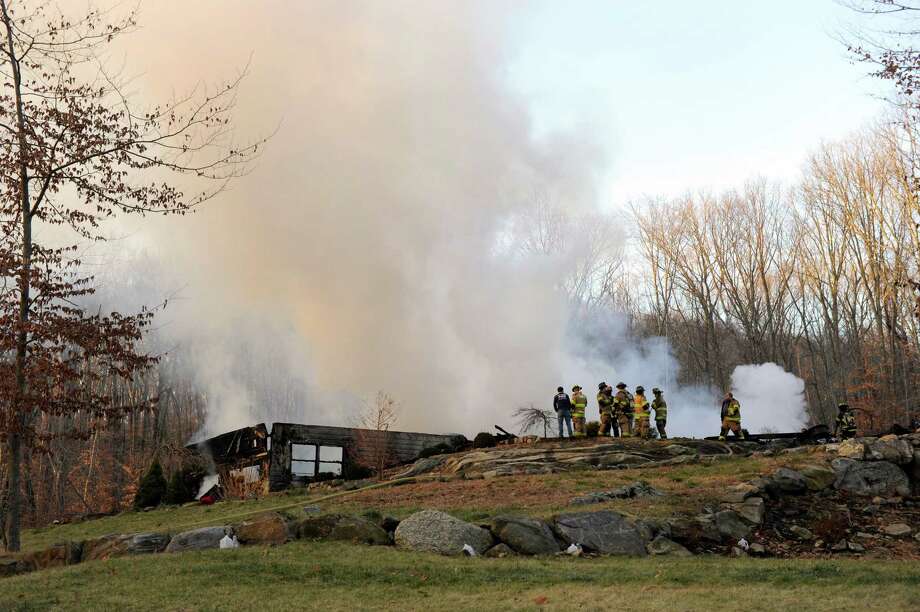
818 277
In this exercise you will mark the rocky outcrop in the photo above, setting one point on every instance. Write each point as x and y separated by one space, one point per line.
786 481
269 528
434 531
526 536
197 539
818 477
637 489
890 448
870 478
110 546
604 532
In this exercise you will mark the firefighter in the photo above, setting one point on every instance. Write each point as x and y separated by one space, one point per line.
614 423
622 410
605 407
563 407
580 405
641 412
846 423
731 417
661 412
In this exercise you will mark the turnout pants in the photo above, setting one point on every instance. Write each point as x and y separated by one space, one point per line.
660 423
734 426
642 427
625 425
606 423
578 421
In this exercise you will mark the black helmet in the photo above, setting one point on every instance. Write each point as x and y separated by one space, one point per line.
559 390
601 386
640 389
576 388
621 385
656 391
843 407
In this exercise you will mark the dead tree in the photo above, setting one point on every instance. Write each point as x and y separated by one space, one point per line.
372 441
530 417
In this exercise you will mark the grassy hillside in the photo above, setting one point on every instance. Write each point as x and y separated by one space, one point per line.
688 486
335 576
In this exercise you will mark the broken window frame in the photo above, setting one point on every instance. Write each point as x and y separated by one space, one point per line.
317 460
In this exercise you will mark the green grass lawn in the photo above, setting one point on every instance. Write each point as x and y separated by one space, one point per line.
336 576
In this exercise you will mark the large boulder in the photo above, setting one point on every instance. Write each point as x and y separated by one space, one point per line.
694 530
269 528
786 481
341 527
731 525
663 546
197 539
110 546
434 531
870 478
818 477
852 448
753 510
525 535
890 448
604 532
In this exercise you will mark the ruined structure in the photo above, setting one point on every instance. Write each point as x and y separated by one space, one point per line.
294 454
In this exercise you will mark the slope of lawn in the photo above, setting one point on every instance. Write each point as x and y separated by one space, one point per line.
335 576
687 486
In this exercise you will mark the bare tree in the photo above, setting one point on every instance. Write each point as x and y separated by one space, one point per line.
75 152
372 448
530 417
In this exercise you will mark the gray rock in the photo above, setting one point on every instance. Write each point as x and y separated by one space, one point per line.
854 547
758 549
897 529
499 551
663 546
801 533
840 546
422 466
605 532
639 488
818 477
730 525
434 531
736 494
753 510
197 539
121 545
677 450
890 448
525 535
786 481
694 530
868 478
341 527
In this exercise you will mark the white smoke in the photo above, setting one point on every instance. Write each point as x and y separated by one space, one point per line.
771 398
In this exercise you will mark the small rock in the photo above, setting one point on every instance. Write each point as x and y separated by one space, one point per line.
758 549
663 546
819 544
737 552
864 535
840 546
854 547
801 533
312 509
500 551
897 529
736 494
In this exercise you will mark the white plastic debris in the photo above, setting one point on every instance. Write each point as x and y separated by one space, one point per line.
743 544
469 551
229 542
574 550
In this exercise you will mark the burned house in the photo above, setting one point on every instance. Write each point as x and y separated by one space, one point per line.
293 454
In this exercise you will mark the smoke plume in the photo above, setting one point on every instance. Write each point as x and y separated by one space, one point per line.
363 253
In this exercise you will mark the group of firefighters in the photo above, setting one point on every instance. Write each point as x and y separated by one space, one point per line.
625 415
622 413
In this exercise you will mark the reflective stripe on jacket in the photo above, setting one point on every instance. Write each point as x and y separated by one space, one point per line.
640 407
661 409
580 401
733 411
